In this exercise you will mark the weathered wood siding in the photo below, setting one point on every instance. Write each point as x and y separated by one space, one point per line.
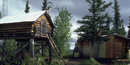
102 50
24 27
42 26
16 30
85 49
116 48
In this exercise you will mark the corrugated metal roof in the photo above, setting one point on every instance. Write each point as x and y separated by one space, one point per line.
27 17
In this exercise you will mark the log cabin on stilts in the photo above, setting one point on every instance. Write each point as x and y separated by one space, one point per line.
29 28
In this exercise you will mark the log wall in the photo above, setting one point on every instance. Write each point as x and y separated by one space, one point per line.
42 26
116 48
16 28
38 28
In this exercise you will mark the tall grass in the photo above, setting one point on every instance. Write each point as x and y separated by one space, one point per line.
91 61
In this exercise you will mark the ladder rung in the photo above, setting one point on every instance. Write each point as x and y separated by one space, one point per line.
55 48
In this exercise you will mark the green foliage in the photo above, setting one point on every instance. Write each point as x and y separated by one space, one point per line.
39 49
12 59
62 33
90 62
27 7
94 23
118 22
10 45
70 54
122 63
0 15
31 61
28 61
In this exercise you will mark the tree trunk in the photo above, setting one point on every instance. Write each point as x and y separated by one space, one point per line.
18 49
73 53
98 50
50 52
92 43
42 50
2 47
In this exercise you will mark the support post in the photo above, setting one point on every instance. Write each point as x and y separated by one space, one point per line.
32 48
2 57
50 52
42 50
17 49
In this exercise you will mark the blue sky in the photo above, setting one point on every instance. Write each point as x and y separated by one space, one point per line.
78 9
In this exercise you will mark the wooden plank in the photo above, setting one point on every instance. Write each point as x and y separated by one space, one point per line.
27 32
14 25
29 28
22 30
21 48
113 48
15 37
44 17
15 28
55 48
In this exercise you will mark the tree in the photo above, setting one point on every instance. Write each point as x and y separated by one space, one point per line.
27 7
94 23
107 29
118 22
45 5
76 49
62 33
0 15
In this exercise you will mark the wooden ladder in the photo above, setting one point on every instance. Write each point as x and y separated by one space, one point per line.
55 48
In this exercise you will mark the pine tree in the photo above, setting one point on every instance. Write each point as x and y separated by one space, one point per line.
62 33
107 29
45 5
0 15
94 23
27 7
117 22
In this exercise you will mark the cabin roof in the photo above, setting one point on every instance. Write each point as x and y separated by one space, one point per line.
27 17
117 36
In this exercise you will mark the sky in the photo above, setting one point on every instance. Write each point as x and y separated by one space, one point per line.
77 8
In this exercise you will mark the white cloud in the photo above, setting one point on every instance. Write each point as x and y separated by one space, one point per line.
126 29
72 45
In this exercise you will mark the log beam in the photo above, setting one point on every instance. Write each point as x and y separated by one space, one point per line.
50 52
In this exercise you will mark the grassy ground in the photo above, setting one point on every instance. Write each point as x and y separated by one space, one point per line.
70 60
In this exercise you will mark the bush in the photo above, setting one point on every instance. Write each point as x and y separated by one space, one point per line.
122 63
31 61
90 62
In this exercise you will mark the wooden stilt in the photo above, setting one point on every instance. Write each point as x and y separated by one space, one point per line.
2 47
18 45
50 52
42 50
55 48
32 48
17 55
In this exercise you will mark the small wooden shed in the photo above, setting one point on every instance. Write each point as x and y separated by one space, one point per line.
116 47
